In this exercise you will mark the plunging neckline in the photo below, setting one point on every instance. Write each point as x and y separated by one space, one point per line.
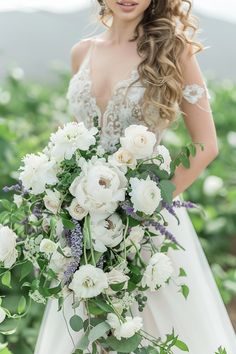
131 74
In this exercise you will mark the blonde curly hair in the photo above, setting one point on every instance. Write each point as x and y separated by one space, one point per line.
162 37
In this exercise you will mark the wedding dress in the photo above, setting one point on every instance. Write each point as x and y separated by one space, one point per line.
201 320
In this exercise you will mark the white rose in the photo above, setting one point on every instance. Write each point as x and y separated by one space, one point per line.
2 315
139 141
212 185
8 252
134 238
126 329
46 223
47 246
18 200
100 187
38 171
76 211
123 159
71 137
158 271
88 282
52 200
164 152
145 195
107 233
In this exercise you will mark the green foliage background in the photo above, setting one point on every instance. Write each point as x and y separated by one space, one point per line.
29 112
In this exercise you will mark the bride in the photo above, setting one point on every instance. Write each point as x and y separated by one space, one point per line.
160 64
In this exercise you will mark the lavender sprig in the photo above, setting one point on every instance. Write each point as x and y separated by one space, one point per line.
129 210
163 230
68 274
76 241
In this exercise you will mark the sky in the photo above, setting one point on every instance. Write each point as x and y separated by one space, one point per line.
225 10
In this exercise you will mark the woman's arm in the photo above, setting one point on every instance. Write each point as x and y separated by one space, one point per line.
200 125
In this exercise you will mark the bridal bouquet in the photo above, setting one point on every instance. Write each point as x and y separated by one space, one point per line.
90 224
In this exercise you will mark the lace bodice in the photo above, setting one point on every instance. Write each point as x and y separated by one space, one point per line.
123 108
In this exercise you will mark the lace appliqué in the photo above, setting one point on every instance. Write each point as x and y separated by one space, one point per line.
194 92
123 108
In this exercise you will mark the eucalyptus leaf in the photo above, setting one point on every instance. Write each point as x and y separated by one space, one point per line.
98 331
76 323
124 345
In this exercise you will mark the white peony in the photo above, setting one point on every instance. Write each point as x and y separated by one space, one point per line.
134 238
164 152
88 282
68 139
126 329
145 195
158 271
100 187
37 172
76 211
212 185
139 141
107 233
123 159
8 252
52 200
18 200
47 246
2 314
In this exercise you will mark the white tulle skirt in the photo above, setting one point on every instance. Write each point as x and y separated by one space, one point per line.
201 321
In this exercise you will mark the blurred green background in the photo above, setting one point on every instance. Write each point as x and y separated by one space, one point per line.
29 112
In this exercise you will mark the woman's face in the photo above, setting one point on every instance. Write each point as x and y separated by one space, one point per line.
128 9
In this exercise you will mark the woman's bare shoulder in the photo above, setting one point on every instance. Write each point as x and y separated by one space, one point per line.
78 52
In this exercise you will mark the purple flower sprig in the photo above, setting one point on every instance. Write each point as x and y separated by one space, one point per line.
68 274
129 210
76 241
18 188
163 230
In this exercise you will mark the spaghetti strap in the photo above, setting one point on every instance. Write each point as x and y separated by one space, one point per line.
87 57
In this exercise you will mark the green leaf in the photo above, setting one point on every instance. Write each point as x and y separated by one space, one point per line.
6 279
68 224
94 309
76 323
21 305
192 149
103 305
26 269
83 342
124 345
117 287
181 345
167 189
185 290
182 272
6 204
185 161
98 331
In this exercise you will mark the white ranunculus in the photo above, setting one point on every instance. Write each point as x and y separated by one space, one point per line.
212 185
115 276
88 282
139 141
107 233
18 200
123 159
2 314
37 172
126 329
48 246
71 137
59 228
145 195
158 271
76 211
164 152
100 187
8 251
134 238
46 223
52 200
